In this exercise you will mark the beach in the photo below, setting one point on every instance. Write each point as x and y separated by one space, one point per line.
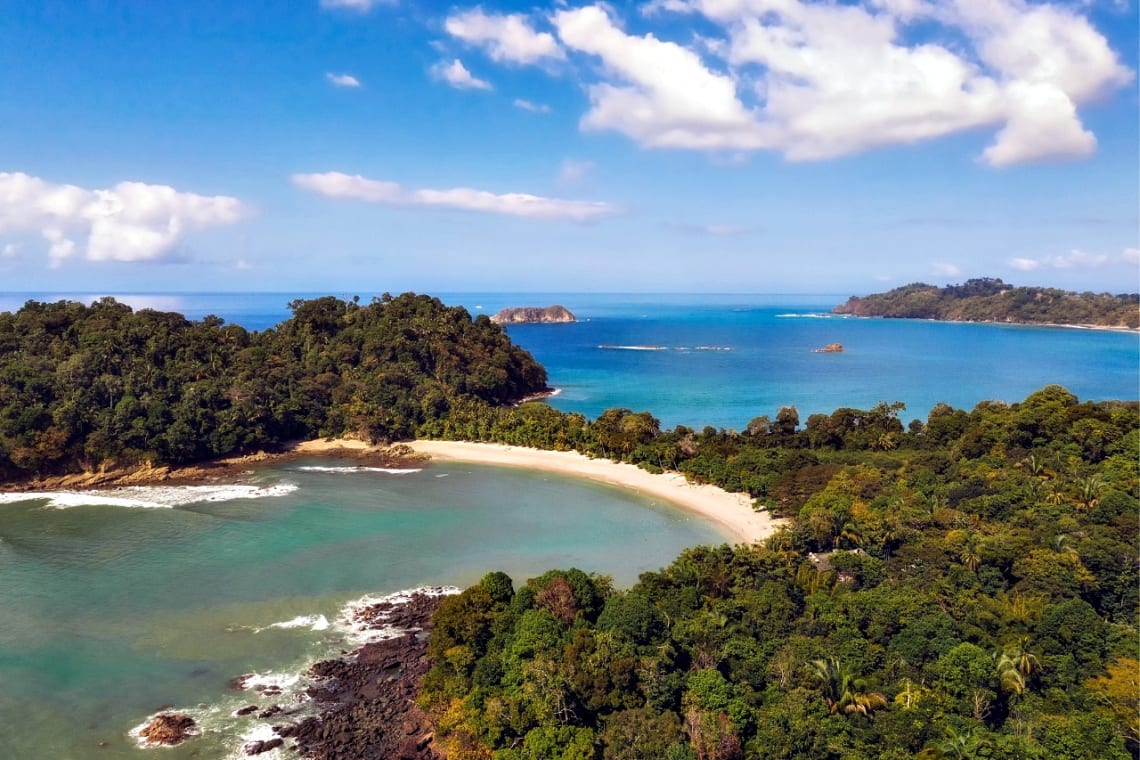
731 512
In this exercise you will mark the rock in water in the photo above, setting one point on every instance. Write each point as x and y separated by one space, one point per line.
168 729
522 315
830 348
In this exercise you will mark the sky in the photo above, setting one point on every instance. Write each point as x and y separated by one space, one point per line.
733 146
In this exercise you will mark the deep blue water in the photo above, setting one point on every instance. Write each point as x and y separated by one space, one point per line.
721 360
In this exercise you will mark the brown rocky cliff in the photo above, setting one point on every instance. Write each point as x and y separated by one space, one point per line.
534 315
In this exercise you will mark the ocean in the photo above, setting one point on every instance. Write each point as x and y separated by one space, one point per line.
118 605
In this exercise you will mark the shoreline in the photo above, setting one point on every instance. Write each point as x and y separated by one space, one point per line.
732 513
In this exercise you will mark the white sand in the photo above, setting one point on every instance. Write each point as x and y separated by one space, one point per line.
730 512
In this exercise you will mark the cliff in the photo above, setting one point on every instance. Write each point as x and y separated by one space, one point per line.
521 315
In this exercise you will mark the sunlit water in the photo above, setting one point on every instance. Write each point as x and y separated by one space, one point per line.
109 612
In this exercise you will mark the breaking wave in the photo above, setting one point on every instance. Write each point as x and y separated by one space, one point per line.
148 497
352 468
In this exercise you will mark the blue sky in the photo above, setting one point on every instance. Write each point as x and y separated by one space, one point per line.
758 146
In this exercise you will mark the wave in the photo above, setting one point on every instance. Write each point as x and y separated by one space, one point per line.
608 347
312 622
149 497
813 315
362 621
357 468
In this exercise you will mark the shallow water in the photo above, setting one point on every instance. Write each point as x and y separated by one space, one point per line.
112 612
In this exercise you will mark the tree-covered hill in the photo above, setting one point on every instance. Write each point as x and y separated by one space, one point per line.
963 586
82 386
991 300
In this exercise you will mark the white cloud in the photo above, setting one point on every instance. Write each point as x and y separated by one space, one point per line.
574 171
132 221
338 185
362 6
942 269
504 37
667 97
725 230
527 105
1077 259
342 80
457 75
816 80
10 251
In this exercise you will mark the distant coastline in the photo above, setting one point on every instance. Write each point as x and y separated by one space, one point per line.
990 300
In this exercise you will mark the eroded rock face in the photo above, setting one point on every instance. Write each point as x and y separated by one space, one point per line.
534 315
168 729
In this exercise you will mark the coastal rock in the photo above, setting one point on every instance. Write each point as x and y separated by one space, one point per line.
522 315
367 700
168 729
256 748
830 348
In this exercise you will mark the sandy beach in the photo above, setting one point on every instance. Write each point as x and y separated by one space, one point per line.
730 512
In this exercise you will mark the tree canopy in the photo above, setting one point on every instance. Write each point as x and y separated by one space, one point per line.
991 300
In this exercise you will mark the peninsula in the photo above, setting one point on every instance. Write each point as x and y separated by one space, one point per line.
990 299
523 315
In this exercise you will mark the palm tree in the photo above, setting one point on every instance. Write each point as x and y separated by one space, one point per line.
1088 491
960 745
842 691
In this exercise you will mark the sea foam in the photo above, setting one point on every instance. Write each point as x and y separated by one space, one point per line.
149 497
349 468
359 626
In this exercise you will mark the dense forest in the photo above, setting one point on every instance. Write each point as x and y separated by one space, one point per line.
85 386
991 300
960 587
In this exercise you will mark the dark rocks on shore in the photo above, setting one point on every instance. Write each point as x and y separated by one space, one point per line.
367 702
168 729
534 315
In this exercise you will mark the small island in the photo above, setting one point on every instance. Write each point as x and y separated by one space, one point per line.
534 315
830 348
989 299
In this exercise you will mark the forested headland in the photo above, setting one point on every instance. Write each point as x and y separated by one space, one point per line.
959 586
83 387
963 586
991 300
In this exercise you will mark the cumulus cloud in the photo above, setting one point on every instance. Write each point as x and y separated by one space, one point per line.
362 6
1077 259
457 75
504 37
817 80
339 185
943 269
10 251
527 105
342 80
131 221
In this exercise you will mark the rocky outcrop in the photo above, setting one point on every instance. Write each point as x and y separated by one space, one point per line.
367 702
522 315
830 348
168 729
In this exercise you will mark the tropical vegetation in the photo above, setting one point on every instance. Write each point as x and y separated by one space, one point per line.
989 299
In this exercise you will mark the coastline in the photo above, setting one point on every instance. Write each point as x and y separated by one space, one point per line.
1095 328
730 512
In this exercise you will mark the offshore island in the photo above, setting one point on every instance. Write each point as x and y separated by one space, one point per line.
962 585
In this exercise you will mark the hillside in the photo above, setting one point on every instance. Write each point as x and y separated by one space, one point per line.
991 300
88 386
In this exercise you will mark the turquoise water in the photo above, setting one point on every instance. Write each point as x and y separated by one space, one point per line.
721 360
111 612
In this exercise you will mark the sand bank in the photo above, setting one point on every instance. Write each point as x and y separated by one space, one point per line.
732 513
